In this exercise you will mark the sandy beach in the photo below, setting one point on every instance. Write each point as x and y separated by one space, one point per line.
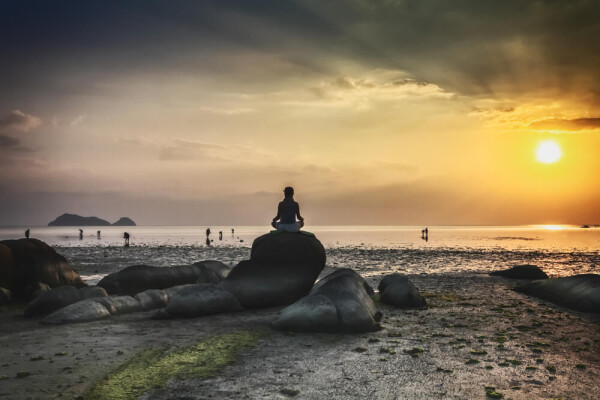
476 334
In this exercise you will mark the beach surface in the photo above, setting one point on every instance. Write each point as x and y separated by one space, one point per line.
476 339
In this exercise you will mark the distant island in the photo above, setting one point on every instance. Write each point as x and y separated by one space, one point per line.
78 220
124 221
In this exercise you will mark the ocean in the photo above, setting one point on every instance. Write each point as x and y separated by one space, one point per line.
559 250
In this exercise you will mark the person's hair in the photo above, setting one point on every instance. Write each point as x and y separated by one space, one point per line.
288 191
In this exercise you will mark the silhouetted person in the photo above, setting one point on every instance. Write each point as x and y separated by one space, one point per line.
232 231
287 211
207 232
98 234
207 240
126 237
27 234
80 234
426 232
220 235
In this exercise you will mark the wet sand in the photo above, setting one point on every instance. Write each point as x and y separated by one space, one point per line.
475 333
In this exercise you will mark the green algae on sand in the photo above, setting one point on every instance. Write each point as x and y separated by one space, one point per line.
154 367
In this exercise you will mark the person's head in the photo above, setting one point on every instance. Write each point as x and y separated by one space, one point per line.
288 191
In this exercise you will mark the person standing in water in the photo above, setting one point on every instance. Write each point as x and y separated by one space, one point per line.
207 232
126 237
27 234
287 211
80 234
220 235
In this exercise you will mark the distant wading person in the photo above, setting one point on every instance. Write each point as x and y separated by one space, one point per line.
287 211
27 234
126 237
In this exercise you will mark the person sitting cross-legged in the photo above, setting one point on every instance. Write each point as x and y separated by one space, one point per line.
287 211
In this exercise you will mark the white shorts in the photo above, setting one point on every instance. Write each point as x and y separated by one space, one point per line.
295 227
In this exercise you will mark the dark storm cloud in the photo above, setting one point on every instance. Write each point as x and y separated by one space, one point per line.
576 124
468 47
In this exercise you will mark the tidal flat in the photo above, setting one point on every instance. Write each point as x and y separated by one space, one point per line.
477 338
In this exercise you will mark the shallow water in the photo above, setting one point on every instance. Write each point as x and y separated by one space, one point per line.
560 251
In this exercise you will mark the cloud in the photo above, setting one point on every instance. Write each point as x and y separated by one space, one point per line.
184 149
180 149
77 120
13 144
227 111
380 85
8 141
559 124
18 120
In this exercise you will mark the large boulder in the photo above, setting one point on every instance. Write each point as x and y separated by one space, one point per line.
24 262
117 305
137 278
282 268
285 248
524 271
61 297
201 299
83 311
340 302
153 298
579 292
397 290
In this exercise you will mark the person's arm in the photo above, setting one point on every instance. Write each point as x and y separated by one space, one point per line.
298 212
279 207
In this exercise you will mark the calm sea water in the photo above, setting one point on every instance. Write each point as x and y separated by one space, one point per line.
555 238
559 250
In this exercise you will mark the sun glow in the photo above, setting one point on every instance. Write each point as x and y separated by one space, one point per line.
553 227
548 152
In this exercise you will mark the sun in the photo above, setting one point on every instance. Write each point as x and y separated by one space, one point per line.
548 152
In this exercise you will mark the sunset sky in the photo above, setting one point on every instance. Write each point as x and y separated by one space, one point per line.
383 112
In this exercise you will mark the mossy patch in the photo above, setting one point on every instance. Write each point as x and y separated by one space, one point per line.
493 394
414 352
441 299
154 367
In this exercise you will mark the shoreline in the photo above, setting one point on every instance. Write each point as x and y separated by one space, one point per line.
470 316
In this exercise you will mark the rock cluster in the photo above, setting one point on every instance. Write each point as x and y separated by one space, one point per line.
137 278
27 263
525 271
340 302
398 291
579 292
283 267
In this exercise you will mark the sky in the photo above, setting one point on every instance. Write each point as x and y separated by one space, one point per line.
378 112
